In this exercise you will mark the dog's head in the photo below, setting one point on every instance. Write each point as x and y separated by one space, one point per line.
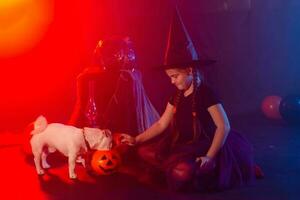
98 139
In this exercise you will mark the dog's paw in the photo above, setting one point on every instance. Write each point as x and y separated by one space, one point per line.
80 160
73 176
40 172
45 165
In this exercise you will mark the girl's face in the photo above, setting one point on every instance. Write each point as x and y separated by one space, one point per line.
181 78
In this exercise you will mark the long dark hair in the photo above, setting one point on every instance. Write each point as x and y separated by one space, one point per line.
197 127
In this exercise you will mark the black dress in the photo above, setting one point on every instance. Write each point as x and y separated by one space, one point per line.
234 162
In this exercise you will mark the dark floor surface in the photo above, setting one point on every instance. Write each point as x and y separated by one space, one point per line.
277 151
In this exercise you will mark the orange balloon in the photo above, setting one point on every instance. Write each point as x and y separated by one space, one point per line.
270 107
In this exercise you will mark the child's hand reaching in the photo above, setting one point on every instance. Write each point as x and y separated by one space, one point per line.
205 161
127 139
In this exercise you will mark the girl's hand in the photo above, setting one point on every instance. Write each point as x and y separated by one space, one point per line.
205 161
127 139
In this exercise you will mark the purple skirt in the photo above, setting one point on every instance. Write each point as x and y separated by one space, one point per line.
234 164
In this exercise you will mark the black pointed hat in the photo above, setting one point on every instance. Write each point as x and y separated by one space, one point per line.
180 51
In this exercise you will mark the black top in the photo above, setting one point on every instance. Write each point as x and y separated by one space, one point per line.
205 98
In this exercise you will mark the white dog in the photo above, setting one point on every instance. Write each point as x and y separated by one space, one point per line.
69 140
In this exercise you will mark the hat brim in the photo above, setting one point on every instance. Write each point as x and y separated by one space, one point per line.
184 65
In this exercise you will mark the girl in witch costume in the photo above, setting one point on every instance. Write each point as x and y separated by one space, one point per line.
201 152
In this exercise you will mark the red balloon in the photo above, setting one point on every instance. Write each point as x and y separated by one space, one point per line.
270 107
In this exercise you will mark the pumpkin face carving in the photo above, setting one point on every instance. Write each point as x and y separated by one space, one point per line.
105 162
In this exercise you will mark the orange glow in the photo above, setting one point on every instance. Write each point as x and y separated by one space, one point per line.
23 24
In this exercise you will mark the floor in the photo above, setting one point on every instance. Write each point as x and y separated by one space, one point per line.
277 147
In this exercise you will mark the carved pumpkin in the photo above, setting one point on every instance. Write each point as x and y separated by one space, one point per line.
105 162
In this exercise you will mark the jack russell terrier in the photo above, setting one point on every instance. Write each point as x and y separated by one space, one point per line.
69 140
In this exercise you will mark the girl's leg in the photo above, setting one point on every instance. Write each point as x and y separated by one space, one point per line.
151 169
180 175
147 153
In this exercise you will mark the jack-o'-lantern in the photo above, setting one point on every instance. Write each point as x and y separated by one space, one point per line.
105 162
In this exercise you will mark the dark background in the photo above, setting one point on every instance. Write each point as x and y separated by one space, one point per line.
256 43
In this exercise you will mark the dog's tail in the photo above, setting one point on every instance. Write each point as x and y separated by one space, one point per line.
33 128
39 125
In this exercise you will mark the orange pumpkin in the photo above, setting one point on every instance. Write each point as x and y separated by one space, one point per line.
105 162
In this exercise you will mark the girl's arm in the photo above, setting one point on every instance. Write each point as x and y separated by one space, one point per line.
221 121
157 128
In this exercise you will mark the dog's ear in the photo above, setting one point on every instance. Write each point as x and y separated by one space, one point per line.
107 133
98 139
91 136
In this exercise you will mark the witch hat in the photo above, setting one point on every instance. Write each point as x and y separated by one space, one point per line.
180 51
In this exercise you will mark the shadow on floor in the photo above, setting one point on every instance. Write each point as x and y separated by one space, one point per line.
276 147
